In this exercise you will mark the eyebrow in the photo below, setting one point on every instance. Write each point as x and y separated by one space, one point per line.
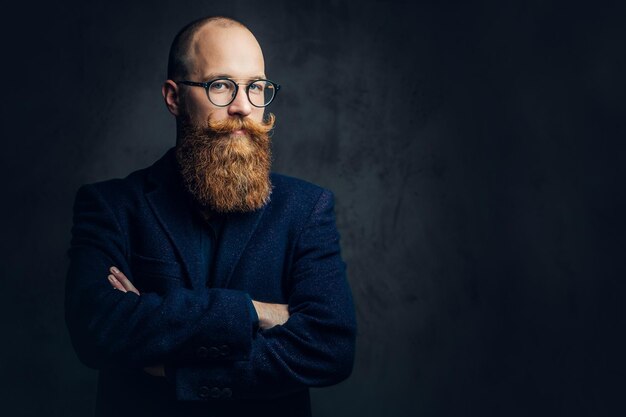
213 76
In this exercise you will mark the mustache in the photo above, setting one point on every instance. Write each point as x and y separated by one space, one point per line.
253 128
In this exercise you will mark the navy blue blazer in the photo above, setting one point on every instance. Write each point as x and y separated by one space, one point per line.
216 359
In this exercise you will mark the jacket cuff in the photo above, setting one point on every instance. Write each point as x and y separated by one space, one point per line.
253 316
170 373
225 335
200 384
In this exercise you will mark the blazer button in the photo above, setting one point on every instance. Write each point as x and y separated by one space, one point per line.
224 350
227 393
204 392
202 352
215 392
214 352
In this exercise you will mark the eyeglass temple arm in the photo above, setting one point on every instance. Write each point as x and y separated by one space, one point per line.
205 85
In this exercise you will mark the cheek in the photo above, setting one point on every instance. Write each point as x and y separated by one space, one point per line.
198 109
257 115
216 114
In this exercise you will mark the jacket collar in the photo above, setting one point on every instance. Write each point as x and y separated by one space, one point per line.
173 207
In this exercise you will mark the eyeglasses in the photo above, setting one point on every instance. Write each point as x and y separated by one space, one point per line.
222 91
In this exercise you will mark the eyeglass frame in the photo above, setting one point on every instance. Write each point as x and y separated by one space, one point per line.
207 84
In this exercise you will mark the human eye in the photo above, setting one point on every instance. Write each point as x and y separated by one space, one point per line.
257 87
220 86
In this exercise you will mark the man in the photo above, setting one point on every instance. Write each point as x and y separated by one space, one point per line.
204 285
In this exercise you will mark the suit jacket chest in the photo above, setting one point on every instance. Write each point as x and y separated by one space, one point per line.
251 252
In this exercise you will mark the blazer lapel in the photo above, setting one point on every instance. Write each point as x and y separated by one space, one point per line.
172 207
235 235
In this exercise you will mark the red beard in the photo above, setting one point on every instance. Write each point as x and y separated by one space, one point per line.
226 171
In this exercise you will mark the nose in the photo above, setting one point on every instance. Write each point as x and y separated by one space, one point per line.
241 105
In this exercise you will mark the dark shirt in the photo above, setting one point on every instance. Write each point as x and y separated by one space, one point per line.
210 224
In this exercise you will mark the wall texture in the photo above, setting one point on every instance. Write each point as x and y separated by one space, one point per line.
476 152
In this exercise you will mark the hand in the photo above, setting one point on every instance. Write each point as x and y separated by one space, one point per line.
119 281
270 314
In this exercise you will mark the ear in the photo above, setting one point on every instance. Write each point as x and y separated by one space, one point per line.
171 97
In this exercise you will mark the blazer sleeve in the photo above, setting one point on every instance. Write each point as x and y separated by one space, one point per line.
314 348
112 328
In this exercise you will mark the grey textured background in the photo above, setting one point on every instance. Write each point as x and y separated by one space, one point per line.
476 152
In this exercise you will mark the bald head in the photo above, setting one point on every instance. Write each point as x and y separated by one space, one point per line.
207 39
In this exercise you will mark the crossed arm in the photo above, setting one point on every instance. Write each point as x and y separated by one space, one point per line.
270 314
126 328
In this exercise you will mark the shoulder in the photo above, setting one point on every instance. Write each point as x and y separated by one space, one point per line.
289 194
135 184
134 181
284 186
118 188
118 194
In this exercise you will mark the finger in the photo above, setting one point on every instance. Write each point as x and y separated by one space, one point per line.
119 275
116 284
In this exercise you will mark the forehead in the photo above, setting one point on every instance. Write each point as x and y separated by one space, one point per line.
231 51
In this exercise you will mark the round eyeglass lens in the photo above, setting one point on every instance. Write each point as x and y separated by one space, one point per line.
221 92
261 93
